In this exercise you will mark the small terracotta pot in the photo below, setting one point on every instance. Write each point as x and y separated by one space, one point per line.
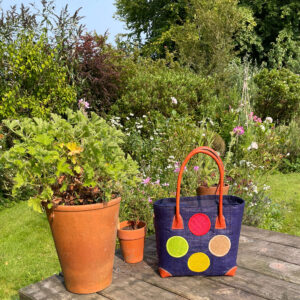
132 241
203 190
85 239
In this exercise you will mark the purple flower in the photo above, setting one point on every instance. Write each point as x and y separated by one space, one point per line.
149 200
239 130
177 170
146 181
157 181
82 103
196 168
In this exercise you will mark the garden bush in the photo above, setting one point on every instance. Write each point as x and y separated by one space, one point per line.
33 83
155 86
278 95
98 72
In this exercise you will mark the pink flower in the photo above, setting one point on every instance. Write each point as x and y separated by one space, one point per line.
196 168
257 119
157 181
149 200
239 130
82 103
165 184
251 115
178 169
147 180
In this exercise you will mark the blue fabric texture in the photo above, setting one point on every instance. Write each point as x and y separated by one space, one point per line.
164 211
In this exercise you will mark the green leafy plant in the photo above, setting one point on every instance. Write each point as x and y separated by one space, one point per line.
33 83
277 95
69 162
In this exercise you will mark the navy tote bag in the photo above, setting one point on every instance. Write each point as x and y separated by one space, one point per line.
198 235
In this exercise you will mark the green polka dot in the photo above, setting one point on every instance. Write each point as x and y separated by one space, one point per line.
177 246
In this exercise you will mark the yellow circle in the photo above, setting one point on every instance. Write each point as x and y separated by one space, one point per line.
219 245
177 246
198 262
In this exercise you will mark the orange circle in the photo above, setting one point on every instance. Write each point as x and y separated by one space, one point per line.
219 245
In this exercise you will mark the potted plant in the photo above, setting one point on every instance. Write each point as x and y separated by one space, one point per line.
207 180
132 231
77 172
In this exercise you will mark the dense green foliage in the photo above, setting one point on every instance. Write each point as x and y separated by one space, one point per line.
32 80
163 86
278 94
277 32
73 161
267 31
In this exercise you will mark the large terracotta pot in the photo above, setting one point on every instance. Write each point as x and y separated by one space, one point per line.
85 239
132 241
203 190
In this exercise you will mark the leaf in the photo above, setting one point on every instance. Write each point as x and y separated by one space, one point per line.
43 139
35 203
77 169
74 149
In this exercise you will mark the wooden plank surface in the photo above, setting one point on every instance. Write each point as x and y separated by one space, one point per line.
271 236
268 268
53 288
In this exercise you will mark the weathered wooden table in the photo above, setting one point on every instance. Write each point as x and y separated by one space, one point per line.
268 268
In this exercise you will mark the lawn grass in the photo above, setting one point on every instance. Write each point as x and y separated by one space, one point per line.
285 191
27 252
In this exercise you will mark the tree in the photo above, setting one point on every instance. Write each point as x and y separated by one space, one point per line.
278 32
147 20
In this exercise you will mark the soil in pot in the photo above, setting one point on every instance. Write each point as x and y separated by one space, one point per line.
85 238
213 190
132 240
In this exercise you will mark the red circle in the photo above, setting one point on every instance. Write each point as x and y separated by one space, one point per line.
199 224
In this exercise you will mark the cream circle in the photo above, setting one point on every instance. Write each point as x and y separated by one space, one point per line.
219 245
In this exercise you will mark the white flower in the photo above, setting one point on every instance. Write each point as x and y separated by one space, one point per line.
203 134
253 145
254 188
131 114
171 156
262 127
174 100
127 118
151 138
144 116
269 120
288 154
266 187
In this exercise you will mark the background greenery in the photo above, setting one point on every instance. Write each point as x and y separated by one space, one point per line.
221 73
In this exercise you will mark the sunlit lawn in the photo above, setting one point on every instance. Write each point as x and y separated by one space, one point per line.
285 188
27 252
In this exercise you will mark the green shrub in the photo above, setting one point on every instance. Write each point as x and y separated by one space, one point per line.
68 162
154 86
32 81
278 94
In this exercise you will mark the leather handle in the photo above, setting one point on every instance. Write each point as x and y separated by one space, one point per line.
220 222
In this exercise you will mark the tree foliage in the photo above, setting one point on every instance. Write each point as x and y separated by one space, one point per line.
32 80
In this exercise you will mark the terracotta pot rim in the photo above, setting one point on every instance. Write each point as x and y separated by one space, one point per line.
213 186
85 207
131 234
